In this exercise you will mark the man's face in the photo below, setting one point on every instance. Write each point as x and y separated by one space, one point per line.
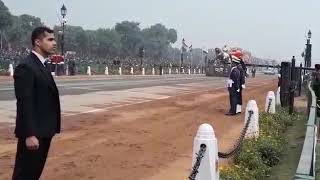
47 43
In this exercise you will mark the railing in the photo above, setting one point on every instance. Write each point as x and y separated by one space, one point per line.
306 166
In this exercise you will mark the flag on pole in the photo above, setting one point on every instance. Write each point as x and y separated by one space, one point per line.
204 51
190 48
184 46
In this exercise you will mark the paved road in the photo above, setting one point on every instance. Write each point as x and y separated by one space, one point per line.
87 85
87 95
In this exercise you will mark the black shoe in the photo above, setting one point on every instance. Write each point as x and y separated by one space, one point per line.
230 114
238 113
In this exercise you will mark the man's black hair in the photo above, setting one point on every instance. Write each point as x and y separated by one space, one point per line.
38 32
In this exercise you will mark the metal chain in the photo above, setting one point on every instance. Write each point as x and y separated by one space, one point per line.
238 145
196 165
269 105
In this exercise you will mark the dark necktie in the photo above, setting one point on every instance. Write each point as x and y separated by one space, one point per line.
46 63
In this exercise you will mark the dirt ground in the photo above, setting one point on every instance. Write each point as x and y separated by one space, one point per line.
147 141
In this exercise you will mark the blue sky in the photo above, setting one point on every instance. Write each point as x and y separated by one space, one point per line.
270 29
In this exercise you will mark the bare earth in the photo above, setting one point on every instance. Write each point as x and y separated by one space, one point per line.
147 141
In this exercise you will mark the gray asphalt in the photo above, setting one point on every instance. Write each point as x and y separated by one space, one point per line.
81 86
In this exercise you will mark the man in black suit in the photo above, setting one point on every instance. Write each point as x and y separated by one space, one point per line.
38 107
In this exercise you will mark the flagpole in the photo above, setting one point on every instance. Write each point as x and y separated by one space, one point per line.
191 58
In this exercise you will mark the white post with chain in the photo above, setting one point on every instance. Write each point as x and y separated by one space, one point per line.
270 106
278 102
253 128
208 168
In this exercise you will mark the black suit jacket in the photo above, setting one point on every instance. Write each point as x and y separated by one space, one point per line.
38 104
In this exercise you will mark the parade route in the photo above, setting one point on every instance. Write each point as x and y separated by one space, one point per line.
144 131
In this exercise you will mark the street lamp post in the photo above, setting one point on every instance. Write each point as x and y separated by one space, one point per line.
63 14
63 11
307 57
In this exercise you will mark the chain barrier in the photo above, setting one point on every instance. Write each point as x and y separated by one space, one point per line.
269 105
196 165
238 145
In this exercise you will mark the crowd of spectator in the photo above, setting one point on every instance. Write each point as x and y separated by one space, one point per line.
10 57
81 62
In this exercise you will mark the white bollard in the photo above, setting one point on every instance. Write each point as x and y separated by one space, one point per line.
208 169
177 72
169 70
278 102
67 70
131 70
194 71
120 71
189 71
106 71
89 70
183 71
253 128
153 71
270 106
143 71
11 70
199 71
162 71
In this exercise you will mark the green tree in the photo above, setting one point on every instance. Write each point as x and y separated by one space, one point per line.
131 37
109 42
157 40
5 16
20 32
75 38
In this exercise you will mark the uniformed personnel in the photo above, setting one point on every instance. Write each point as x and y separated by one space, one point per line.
233 86
241 67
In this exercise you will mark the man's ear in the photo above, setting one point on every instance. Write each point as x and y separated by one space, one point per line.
37 42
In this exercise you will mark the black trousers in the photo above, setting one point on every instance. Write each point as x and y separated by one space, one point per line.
30 163
233 97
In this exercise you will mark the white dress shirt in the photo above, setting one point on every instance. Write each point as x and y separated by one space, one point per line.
40 57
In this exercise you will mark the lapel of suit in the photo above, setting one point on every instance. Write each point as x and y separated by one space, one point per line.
45 73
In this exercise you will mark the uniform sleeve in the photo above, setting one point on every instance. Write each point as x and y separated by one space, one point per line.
243 77
235 76
238 78
24 89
